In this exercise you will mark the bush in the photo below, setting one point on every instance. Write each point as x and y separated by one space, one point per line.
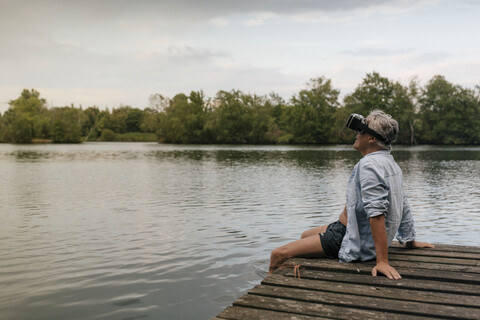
108 135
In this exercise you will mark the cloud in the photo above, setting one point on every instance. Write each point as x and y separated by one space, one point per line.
192 11
130 50
69 64
460 69
260 19
376 52
110 25
351 12
219 22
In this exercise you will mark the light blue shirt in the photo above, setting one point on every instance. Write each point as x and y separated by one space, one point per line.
375 187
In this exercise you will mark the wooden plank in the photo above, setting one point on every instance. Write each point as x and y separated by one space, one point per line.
435 253
398 264
440 260
437 283
242 313
358 278
371 290
379 304
417 263
442 247
316 309
438 275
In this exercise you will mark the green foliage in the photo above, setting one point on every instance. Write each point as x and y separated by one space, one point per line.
136 137
19 127
312 111
118 120
108 135
27 118
404 105
184 119
230 120
150 122
134 120
66 125
438 113
450 114
89 123
3 130
264 128
377 92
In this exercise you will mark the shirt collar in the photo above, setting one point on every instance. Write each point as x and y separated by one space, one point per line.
377 152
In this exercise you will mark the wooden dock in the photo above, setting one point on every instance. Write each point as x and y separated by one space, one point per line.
439 283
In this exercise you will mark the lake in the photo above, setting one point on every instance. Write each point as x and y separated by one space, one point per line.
145 230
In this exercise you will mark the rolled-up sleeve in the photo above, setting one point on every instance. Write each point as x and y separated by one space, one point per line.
374 190
406 231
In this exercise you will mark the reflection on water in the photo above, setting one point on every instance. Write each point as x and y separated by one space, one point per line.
116 231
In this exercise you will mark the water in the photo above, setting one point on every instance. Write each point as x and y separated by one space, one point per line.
133 231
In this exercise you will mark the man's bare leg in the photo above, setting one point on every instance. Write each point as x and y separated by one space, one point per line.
310 247
314 231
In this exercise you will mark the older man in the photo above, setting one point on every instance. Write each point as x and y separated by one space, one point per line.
376 209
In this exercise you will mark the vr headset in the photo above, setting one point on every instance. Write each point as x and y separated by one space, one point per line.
358 123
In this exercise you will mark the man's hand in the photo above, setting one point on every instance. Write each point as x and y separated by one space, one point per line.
418 244
379 235
386 269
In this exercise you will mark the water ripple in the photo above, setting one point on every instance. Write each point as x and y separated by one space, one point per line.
130 231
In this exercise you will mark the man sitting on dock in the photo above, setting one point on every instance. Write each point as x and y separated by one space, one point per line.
376 209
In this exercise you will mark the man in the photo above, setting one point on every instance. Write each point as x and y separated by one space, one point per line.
376 210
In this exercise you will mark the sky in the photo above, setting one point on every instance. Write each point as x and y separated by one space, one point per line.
111 53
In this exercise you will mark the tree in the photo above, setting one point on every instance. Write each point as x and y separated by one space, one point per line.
158 102
230 121
3 131
134 120
27 118
312 112
118 119
67 126
377 92
265 115
449 113
184 119
278 123
151 121
404 105
89 123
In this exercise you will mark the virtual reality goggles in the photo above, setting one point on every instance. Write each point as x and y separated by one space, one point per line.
358 123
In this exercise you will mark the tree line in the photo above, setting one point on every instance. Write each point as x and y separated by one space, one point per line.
438 113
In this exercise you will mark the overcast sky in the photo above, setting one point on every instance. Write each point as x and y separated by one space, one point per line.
118 52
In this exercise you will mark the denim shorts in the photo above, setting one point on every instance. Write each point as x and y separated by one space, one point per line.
331 240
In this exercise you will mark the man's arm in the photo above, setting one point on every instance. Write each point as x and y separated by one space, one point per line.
379 234
344 216
418 244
